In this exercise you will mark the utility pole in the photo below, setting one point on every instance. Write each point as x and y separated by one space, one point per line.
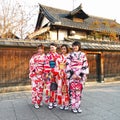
73 4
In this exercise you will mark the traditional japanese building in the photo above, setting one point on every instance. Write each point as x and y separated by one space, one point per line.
57 24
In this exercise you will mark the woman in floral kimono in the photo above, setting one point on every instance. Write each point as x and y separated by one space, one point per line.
36 68
63 83
50 71
79 69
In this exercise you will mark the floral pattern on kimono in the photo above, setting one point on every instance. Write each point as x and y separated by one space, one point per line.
79 67
50 76
36 68
63 83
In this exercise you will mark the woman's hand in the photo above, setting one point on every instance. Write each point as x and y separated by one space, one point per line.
76 77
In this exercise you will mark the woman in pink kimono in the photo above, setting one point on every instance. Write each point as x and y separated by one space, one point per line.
36 68
78 69
50 71
63 83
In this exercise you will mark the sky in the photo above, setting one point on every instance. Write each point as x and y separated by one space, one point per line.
101 8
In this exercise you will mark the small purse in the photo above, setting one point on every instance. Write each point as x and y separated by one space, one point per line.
53 86
52 64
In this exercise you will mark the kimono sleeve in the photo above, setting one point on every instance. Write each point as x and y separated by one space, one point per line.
85 68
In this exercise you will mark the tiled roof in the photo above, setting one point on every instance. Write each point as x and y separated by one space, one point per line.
78 12
90 23
85 44
98 45
29 42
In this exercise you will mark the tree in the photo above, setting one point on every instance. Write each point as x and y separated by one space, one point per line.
14 19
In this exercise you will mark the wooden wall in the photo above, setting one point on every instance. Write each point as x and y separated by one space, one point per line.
14 65
92 67
111 64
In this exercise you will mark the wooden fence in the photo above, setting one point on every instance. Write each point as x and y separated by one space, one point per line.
14 64
111 66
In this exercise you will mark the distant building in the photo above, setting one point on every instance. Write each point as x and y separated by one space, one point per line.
57 24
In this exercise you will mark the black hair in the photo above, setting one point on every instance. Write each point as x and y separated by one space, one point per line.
40 46
77 43
66 46
53 44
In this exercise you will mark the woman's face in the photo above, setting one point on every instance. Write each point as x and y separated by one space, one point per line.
63 50
75 48
40 50
52 48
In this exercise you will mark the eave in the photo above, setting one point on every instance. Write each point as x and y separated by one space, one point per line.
47 15
78 12
38 32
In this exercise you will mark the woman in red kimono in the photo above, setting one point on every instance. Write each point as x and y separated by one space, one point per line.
79 69
50 71
63 83
36 68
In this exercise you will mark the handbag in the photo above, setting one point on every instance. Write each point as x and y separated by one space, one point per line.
52 64
53 86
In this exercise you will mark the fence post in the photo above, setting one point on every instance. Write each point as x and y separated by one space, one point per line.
102 67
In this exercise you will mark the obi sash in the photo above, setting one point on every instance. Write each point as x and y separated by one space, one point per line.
62 66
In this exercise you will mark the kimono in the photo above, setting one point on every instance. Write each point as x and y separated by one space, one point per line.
79 67
36 68
63 83
50 72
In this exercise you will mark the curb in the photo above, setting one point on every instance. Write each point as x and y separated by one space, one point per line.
15 88
88 84
28 87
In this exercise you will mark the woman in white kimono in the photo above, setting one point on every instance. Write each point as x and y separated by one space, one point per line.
78 69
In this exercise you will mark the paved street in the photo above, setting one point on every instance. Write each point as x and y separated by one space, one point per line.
101 101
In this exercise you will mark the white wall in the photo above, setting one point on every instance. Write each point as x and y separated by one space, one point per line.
80 34
44 22
53 35
62 34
